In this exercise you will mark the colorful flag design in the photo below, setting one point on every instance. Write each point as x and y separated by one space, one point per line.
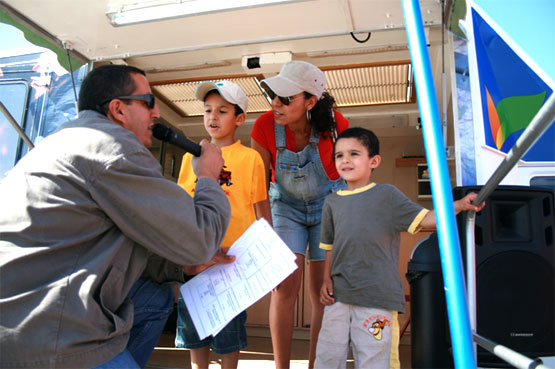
511 94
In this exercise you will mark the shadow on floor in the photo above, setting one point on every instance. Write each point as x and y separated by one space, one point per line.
258 355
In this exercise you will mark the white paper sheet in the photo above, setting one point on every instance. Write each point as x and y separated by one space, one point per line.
218 294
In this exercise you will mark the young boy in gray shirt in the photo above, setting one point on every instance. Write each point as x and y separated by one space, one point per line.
361 228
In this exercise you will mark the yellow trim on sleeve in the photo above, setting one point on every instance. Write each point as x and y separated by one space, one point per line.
415 226
326 246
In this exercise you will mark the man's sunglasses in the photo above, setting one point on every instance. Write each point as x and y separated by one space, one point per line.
147 98
272 95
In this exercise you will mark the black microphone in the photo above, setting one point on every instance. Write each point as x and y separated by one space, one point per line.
164 133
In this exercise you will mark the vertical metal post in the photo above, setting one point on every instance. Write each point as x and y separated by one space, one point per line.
16 126
471 269
449 246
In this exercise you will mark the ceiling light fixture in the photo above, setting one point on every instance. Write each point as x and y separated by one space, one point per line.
133 14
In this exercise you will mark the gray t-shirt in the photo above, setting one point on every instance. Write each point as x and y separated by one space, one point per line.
362 228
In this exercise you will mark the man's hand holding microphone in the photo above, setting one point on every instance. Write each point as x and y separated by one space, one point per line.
207 162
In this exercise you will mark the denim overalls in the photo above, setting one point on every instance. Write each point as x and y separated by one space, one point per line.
298 194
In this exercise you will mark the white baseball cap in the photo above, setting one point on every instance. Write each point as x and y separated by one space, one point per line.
230 91
295 77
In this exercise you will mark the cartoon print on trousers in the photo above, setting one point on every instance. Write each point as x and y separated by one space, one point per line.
376 325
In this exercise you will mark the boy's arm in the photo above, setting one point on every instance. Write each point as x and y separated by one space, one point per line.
262 210
429 221
326 292
266 156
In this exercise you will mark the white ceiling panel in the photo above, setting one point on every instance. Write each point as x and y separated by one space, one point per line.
87 28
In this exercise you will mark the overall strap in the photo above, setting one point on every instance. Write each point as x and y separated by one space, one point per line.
280 136
314 138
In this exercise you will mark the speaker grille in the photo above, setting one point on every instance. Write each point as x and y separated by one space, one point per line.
515 275
515 302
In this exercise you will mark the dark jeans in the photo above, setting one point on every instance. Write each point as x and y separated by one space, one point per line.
153 303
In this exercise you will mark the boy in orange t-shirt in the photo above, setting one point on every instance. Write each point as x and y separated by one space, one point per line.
243 181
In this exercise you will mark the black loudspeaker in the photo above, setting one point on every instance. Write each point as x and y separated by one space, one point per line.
515 278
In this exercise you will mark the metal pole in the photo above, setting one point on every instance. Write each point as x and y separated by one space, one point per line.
16 126
471 268
449 246
443 77
512 357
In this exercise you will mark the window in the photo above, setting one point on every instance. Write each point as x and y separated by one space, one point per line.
14 97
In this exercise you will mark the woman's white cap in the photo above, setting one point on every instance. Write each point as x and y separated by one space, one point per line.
295 77
230 91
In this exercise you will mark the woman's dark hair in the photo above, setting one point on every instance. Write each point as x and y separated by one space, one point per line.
104 83
238 109
321 115
365 136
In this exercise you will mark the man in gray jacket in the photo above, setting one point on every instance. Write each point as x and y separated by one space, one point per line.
82 214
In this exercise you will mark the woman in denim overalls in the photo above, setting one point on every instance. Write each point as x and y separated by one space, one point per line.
293 139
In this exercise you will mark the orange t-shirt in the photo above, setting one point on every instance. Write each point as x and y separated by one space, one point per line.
242 180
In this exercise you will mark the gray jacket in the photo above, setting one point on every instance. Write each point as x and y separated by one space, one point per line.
80 216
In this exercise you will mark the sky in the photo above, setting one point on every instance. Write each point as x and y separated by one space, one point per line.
530 26
12 38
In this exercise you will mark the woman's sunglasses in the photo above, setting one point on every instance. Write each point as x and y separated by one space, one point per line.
148 99
272 95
